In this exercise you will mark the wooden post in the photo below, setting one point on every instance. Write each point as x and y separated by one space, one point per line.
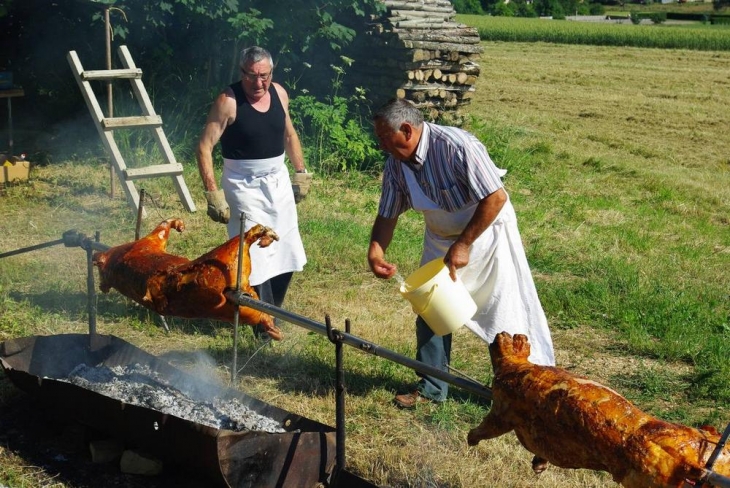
109 99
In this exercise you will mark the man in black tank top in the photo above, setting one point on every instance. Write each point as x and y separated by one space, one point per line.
251 120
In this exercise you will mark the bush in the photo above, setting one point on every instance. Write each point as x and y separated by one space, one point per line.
468 7
502 9
658 17
333 131
597 9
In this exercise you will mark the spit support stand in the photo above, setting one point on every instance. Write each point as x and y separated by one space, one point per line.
336 338
236 314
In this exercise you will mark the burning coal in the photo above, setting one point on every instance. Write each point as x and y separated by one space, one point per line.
138 385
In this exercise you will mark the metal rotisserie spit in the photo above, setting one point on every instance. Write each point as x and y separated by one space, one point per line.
252 445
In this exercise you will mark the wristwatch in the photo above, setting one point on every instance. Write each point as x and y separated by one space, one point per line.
301 170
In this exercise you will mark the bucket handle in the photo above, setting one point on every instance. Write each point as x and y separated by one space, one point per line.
428 300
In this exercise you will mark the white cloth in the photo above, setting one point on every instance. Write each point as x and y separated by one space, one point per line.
497 277
261 189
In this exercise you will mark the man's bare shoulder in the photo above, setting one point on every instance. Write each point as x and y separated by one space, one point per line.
225 102
281 91
226 96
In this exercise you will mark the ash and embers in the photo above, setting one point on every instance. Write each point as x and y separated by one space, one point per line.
136 384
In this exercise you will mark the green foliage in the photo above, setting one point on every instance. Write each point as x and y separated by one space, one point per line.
250 26
504 9
333 130
468 7
596 9
184 47
549 8
658 17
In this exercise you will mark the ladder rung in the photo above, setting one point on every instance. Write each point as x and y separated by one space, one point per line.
153 171
112 74
136 121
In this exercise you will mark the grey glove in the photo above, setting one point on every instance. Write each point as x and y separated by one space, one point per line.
218 208
300 184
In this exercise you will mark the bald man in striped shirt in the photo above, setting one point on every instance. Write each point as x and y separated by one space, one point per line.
446 174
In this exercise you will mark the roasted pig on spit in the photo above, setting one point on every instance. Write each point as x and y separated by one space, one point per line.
176 286
573 422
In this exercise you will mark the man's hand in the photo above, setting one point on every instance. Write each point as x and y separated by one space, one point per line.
456 257
300 184
218 208
382 269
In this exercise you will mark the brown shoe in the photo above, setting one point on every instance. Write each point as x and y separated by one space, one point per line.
410 400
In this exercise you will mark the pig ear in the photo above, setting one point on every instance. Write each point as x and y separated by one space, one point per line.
99 259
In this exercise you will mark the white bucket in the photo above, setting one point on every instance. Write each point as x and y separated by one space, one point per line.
444 304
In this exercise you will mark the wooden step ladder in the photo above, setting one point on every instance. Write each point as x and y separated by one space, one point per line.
149 119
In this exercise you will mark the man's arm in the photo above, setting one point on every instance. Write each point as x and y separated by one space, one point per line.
380 237
221 114
485 213
292 145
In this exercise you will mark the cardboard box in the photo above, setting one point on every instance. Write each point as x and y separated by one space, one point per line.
15 172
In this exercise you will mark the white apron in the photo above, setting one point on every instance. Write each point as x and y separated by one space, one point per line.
497 277
261 189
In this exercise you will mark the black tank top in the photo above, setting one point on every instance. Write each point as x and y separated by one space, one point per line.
254 134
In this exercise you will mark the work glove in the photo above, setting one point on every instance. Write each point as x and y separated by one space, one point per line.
300 184
218 208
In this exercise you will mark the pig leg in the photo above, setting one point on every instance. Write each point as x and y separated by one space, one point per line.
539 464
492 426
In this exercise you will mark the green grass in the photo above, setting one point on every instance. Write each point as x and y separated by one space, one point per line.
514 29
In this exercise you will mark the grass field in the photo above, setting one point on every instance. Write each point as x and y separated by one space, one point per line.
515 29
619 169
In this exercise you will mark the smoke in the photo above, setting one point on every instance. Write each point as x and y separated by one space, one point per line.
202 376
193 399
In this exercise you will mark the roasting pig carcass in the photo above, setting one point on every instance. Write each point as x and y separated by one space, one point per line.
176 286
573 422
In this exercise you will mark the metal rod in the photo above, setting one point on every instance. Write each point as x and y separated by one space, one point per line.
164 323
718 449
31 248
334 337
239 274
140 212
361 344
91 289
715 479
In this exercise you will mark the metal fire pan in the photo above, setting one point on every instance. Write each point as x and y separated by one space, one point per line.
303 456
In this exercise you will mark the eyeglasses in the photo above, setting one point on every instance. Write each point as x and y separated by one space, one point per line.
256 77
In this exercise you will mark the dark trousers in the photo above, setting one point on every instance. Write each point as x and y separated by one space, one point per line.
273 291
435 351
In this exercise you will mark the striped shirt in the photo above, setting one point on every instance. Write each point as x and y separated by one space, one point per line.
453 169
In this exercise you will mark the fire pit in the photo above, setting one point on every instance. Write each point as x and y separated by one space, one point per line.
234 439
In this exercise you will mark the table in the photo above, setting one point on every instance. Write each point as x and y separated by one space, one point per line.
10 94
